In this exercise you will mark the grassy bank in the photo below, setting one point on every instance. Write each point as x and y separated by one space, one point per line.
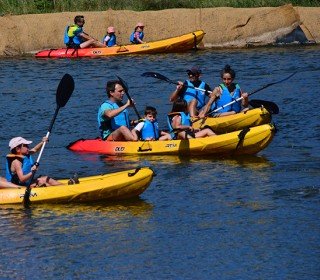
51 6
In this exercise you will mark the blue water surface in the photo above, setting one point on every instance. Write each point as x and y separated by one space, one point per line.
253 217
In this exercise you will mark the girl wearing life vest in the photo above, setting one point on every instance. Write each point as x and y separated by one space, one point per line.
180 124
137 35
110 40
225 93
148 128
20 165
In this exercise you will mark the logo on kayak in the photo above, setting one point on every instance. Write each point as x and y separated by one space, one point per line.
119 149
32 194
171 145
96 52
145 47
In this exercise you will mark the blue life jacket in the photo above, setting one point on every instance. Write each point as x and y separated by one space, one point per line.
112 41
150 130
191 93
112 124
185 120
226 97
27 163
69 36
133 40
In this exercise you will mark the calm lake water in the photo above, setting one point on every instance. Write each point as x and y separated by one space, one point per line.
252 217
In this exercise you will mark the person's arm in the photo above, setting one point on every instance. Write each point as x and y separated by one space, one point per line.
136 130
245 100
106 40
212 98
137 37
17 167
175 94
111 113
176 124
37 147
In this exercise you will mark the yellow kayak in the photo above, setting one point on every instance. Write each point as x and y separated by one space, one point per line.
247 141
225 124
109 187
174 44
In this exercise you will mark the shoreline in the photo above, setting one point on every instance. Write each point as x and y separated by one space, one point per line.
224 27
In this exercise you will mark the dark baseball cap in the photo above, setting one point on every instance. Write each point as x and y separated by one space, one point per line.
194 70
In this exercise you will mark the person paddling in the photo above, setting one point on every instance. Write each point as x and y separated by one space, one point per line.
75 37
225 93
20 165
113 118
195 99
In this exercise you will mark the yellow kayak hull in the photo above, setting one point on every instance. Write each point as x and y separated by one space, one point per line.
108 187
249 141
174 44
225 124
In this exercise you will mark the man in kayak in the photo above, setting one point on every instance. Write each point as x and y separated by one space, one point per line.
226 93
75 37
137 35
20 165
195 98
113 118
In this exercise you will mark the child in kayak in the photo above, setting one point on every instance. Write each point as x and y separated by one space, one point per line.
137 35
180 124
20 165
148 128
225 93
110 39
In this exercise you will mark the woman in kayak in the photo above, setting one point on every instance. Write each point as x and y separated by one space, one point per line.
224 94
137 35
180 124
20 165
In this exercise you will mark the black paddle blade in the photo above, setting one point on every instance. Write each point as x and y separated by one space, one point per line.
124 84
269 105
64 90
158 76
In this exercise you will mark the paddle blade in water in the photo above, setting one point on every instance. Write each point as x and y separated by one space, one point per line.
64 90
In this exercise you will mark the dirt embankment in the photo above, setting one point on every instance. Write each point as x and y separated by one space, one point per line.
224 27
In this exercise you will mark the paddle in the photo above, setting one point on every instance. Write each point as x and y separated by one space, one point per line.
126 88
64 91
270 106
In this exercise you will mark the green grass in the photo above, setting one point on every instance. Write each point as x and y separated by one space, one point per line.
49 6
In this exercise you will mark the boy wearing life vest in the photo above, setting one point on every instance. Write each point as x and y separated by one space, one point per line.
180 125
148 128
110 39
225 93
186 90
20 165
75 37
137 35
